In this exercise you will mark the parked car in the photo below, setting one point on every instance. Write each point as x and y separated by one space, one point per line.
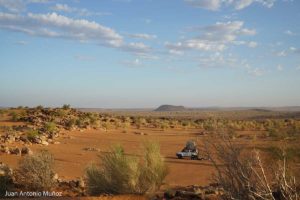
190 150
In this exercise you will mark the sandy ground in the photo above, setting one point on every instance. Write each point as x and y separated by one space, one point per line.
71 159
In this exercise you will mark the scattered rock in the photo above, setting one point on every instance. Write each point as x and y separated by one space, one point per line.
91 149
45 143
26 151
15 150
140 133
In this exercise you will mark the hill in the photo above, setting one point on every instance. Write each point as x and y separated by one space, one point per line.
163 108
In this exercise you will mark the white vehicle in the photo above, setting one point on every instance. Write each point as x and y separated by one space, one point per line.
187 153
190 151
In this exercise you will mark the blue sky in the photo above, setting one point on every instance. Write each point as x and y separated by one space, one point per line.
144 53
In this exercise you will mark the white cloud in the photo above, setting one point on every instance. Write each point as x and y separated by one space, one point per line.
206 4
54 25
84 58
237 4
132 63
142 36
290 33
13 5
279 67
252 44
214 37
18 5
256 71
21 42
80 11
136 47
62 7
282 53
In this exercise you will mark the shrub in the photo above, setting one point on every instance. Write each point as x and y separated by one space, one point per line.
32 134
66 106
122 174
245 177
15 116
35 172
71 123
6 182
50 127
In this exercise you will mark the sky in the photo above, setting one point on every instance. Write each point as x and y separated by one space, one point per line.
145 53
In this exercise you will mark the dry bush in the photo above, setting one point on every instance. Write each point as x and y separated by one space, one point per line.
123 174
243 176
6 181
35 172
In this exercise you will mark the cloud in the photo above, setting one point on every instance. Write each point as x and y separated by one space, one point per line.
142 36
132 63
289 51
255 71
84 58
59 26
136 47
214 37
80 11
21 42
215 5
17 6
294 50
218 60
282 53
252 44
206 4
290 33
13 5
279 67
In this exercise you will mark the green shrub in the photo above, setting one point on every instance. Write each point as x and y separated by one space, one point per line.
66 106
32 134
35 172
122 174
50 127
70 123
15 116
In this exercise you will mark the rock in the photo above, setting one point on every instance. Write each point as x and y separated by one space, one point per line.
6 150
55 177
187 195
91 149
26 151
81 183
44 143
43 138
56 142
140 133
10 139
15 150
169 194
37 140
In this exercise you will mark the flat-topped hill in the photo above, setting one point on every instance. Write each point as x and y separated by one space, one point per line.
170 108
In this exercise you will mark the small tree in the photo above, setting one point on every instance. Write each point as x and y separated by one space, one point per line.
36 172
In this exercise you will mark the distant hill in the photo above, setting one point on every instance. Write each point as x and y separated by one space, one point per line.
170 108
